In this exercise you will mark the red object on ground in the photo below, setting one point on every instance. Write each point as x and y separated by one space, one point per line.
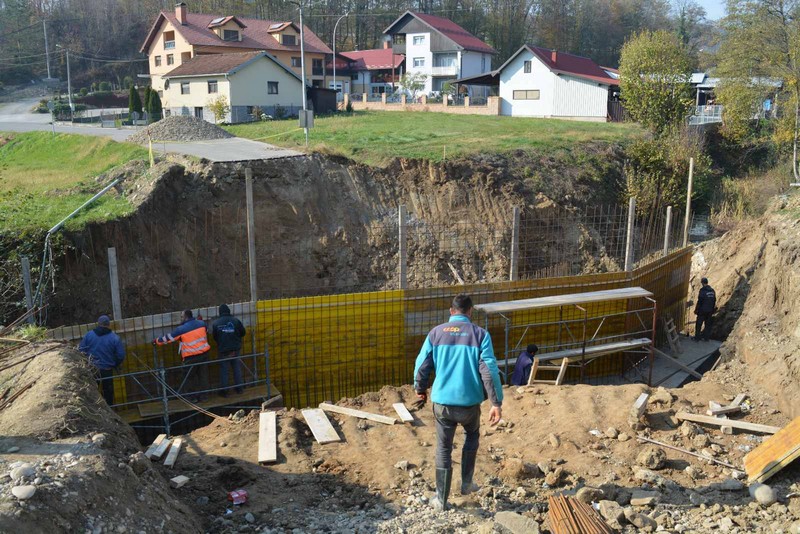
238 496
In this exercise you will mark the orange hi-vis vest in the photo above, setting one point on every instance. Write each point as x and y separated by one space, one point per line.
192 337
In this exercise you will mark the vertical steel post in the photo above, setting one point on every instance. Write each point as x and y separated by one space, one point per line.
507 328
667 229
687 215
113 274
26 281
402 247
46 49
514 269
629 235
251 234
266 372
583 348
164 400
652 343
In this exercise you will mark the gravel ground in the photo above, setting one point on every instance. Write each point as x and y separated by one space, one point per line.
180 128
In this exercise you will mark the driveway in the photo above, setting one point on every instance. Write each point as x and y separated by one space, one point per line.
16 117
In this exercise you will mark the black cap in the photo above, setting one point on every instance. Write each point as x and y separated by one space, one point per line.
532 349
704 280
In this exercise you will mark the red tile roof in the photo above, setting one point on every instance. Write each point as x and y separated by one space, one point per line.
212 64
454 32
256 34
579 66
376 59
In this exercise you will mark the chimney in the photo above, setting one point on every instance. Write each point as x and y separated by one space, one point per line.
553 56
180 13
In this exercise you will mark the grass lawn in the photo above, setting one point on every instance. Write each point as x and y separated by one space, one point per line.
37 169
374 137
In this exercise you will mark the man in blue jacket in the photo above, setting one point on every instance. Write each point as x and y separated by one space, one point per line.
461 355
704 310
106 352
522 370
228 332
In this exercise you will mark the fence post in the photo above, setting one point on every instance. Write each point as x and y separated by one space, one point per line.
629 235
687 216
513 274
26 281
402 247
116 303
251 233
667 229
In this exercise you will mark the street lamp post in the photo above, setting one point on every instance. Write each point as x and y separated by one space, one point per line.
303 68
69 82
335 83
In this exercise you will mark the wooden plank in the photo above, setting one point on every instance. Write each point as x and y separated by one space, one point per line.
402 412
733 423
267 437
640 405
723 410
320 426
358 413
677 363
161 449
534 370
178 481
738 400
172 456
774 454
156 442
562 372
565 300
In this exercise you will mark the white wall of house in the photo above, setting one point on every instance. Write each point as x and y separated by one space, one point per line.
198 96
514 78
422 51
581 98
249 86
472 64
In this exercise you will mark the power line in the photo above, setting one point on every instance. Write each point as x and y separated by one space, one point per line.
29 56
87 58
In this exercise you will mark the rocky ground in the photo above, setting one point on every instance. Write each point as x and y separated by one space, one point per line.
179 128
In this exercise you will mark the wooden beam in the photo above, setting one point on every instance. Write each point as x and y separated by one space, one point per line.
774 454
267 438
358 413
152 448
172 456
733 423
161 449
402 412
178 481
320 426
640 405
677 363
723 410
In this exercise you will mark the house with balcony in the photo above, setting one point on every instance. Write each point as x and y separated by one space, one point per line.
179 36
440 49
373 71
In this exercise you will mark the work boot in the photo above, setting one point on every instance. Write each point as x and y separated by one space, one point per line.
467 470
443 477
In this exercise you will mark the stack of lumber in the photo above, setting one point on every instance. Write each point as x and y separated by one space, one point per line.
571 516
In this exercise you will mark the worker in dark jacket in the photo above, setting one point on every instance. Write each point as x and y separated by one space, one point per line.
522 369
461 355
192 336
106 352
228 332
704 310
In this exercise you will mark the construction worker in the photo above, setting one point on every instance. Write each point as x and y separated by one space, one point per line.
192 336
461 355
522 369
228 332
704 310
106 353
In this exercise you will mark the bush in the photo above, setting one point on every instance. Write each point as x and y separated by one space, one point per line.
127 82
739 199
104 86
84 91
280 112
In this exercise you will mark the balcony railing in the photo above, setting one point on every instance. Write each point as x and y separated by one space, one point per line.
450 70
706 115
169 45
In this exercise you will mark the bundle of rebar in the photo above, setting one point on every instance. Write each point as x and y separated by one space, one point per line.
571 516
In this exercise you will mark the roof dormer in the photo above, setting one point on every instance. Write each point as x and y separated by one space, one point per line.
227 28
286 33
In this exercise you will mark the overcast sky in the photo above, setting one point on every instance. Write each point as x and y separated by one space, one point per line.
715 9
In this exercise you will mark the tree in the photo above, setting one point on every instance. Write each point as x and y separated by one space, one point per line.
655 69
154 106
219 107
134 101
413 83
146 100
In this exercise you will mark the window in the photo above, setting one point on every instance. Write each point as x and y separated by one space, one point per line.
169 40
212 86
170 59
230 35
419 40
161 93
296 62
288 39
483 63
527 67
354 76
157 61
316 67
526 95
272 88
184 88
419 61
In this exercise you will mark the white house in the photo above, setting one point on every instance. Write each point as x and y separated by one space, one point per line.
440 49
539 82
247 80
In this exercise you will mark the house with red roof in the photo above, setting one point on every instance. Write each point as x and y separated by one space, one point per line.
372 71
439 49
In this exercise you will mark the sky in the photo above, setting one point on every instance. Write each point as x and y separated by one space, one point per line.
715 9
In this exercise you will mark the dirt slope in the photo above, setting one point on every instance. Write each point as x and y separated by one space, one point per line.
755 270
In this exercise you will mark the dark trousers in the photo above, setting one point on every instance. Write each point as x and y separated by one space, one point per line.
235 365
195 377
105 377
447 420
702 327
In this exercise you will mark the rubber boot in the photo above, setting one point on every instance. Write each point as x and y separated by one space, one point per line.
467 470
443 478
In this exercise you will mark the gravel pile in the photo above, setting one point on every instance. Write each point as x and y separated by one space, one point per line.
180 128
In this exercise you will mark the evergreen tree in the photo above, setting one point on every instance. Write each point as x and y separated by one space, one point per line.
134 102
155 106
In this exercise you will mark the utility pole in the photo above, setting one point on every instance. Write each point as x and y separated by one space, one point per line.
688 214
303 68
335 86
46 49
69 82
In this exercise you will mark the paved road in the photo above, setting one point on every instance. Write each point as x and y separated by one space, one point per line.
16 117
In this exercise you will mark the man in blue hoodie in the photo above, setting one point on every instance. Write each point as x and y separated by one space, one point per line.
461 355
106 352
228 332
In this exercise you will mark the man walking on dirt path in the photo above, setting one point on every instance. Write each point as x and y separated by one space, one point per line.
704 309
106 353
228 332
461 355
192 336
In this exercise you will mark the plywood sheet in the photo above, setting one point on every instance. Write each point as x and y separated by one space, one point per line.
774 454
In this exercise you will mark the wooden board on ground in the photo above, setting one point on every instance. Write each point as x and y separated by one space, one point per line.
161 449
358 413
172 455
733 423
267 437
402 412
774 454
178 481
640 405
320 426
152 448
